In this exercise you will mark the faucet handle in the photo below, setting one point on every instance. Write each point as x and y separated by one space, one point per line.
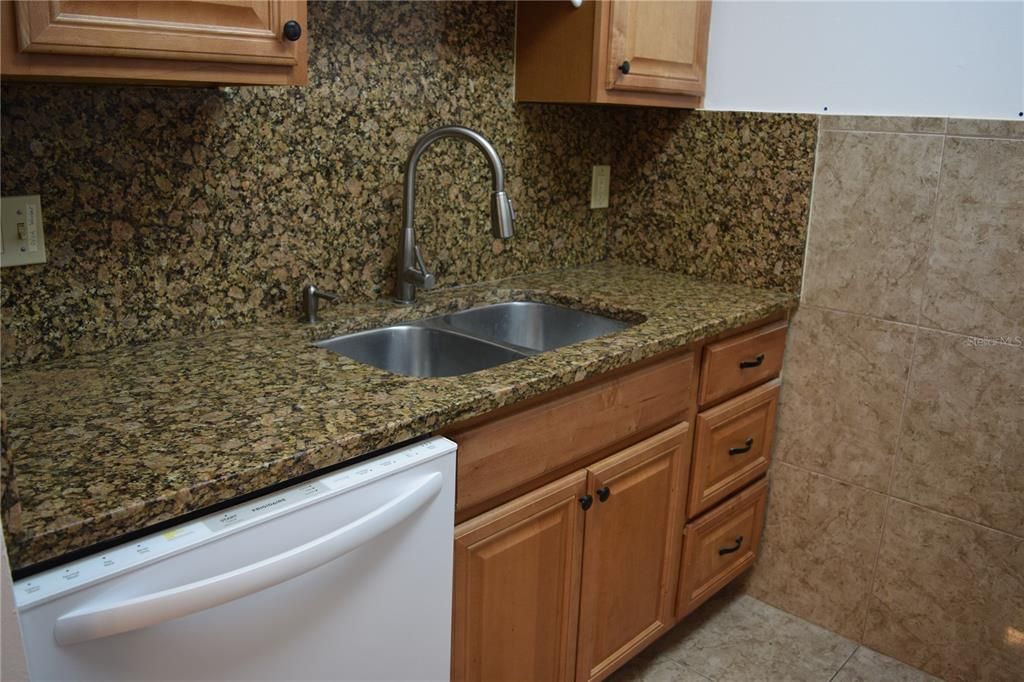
428 281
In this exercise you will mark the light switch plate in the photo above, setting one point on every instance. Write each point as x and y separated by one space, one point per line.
600 179
21 231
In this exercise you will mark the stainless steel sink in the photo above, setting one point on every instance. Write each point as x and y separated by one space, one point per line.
537 326
420 351
471 340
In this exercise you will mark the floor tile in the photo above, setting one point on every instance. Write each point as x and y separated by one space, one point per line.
741 639
867 665
948 597
821 537
656 669
871 222
842 392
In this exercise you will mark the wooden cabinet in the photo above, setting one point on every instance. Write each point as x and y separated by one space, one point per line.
518 591
631 551
741 362
517 575
217 41
517 450
719 546
733 443
613 51
575 550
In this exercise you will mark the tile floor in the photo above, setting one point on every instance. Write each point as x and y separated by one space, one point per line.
736 638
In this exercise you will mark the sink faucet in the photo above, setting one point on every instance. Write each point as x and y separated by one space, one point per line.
412 271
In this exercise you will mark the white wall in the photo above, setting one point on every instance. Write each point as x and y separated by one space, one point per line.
928 58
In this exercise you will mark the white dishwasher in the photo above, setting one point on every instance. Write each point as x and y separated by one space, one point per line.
343 577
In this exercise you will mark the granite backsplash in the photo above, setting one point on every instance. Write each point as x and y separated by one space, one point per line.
172 211
719 195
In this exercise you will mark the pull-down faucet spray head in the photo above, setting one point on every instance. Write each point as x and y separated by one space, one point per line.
503 217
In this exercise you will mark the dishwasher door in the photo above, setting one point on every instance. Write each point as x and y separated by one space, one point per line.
346 577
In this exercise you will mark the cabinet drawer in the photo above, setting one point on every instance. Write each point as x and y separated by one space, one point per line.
719 546
733 446
734 365
509 455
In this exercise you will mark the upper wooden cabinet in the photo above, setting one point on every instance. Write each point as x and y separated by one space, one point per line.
211 41
613 51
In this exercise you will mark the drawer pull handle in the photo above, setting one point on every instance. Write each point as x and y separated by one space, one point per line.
586 501
747 444
744 364
730 550
603 493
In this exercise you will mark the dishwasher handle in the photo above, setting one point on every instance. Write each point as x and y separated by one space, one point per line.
133 614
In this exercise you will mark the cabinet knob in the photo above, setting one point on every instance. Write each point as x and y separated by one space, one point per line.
292 30
624 67
603 493
586 501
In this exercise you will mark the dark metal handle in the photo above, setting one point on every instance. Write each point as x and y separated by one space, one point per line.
747 444
752 363
292 30
624 67
730 550
603 493
586 501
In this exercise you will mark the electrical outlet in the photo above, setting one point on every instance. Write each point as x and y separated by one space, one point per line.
600 179
21 231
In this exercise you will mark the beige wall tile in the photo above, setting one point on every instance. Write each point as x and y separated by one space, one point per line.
871 222
843 386
962 448
986 128
820 541
867 665
949 597
975 282
884 124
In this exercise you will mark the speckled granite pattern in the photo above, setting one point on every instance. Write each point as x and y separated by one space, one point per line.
718 195
114 441
10 503
172 211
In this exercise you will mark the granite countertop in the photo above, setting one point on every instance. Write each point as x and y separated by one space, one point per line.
114 442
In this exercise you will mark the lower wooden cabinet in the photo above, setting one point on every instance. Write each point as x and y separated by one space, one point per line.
720 545
517 576
521 609
631 551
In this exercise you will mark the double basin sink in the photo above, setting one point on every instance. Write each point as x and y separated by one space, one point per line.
471 340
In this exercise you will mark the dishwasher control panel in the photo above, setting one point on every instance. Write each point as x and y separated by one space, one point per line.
100 566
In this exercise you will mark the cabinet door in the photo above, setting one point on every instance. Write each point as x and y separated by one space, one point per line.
631 550
658 47
207 30
517 575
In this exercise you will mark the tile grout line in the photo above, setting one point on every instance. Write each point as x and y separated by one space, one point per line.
810 206
912 503
855 650
931 236
899 323
873 576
